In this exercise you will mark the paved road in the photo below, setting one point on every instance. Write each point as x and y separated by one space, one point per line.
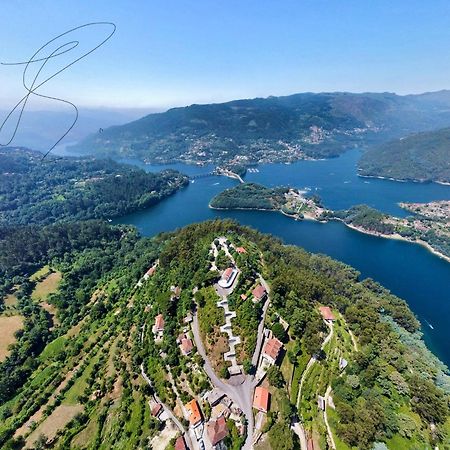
259 339
240 394
298 429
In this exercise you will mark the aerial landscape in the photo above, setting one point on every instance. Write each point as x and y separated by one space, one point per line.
227 228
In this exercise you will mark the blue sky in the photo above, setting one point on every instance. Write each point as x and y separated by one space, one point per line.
173 52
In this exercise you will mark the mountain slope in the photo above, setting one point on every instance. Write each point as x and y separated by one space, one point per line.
421 157
269 129
95 379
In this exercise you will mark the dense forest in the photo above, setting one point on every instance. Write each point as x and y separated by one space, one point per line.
34 190
365 217
250 196
420 157
271 129
394 392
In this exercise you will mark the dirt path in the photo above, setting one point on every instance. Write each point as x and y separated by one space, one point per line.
325 418
311 363
167 409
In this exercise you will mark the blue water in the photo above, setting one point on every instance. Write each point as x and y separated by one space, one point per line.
408 270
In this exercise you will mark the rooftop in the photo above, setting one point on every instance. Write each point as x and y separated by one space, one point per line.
186 346
259 292
272 348
227 273
326 313
261 399
215 396
241 250
218 430
157 408
159 322
195 415
180 444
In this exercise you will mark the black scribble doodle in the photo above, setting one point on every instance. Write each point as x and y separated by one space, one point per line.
36 84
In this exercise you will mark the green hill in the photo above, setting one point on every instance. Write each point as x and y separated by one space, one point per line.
79 383
42 191
420 157
271 129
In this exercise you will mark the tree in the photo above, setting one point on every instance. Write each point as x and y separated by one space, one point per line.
275 377
280 436
279 332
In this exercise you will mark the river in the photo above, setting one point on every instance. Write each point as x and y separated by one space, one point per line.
408 270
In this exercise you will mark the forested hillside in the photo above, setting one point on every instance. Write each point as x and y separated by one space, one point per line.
78 383
271 129
420 157
41 191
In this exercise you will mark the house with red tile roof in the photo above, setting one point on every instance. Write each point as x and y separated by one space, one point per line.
261 399
158 327
272 350
228 277
259 293
217 430
241 250
149 272
180 444
159 323
186 346
157 409
195 415
327 314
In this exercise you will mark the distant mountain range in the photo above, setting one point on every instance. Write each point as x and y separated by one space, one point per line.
271 129
40 130
420 157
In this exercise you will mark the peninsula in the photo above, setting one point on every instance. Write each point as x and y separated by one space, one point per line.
429 224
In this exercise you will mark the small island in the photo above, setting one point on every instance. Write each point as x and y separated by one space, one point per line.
428 226
291 202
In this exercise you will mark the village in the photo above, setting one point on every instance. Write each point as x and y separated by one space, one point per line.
241 399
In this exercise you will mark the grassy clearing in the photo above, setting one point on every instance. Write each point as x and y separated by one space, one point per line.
8 326
287 367
85 436
47 286
10 301
53 348
42 272
57 420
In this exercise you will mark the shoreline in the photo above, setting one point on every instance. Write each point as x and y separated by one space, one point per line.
394 236
402 180
397 237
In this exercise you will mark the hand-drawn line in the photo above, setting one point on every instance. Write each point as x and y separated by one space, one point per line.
62 49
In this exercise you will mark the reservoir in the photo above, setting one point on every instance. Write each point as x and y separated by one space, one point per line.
407 270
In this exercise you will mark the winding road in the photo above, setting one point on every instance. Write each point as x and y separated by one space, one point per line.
240 394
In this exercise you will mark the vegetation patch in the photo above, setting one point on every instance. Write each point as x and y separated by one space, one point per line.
9 325
47 286
57 420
